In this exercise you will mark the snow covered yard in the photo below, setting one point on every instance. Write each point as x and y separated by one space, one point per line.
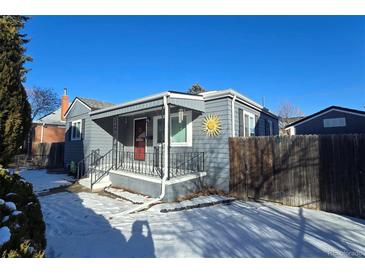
43 181
91 225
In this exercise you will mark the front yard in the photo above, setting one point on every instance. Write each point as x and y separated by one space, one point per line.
82 224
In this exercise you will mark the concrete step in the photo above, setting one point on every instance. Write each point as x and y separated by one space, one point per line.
100 185
129 196
198 202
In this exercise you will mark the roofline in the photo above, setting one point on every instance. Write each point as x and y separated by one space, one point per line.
201 96
72 104
216 94
172 94
324 111
48 113
37 122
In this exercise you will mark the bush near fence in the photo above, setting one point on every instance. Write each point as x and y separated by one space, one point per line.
24 221
325 172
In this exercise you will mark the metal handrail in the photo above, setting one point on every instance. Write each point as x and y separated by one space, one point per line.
83 166
101 167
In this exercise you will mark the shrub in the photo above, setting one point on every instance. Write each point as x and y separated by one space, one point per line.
25 222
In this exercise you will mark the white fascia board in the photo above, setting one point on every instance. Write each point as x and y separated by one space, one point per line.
73 103
197 97
141 100
241 98
232 92
149 98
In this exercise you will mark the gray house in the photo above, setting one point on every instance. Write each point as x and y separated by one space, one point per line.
165 145
332 120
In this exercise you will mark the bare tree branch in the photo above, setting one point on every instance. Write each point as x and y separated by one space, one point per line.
42 101
286 114
287 110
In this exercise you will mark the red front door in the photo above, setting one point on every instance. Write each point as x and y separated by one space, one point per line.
139 139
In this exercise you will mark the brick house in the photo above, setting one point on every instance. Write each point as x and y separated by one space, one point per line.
51 127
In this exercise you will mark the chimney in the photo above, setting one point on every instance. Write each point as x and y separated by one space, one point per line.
64 104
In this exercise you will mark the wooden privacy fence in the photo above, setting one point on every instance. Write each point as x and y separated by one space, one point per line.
325 172
48 155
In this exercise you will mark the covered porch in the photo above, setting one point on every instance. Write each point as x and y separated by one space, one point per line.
152 144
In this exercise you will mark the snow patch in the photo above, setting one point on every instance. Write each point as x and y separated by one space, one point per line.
10 205
2 202
31 249
4 235
5 219
43 181
16 213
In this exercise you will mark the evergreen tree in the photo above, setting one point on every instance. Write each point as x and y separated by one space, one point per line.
196 89
15 110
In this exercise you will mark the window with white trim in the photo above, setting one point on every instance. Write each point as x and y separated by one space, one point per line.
249 122
180 129
334 122
76 129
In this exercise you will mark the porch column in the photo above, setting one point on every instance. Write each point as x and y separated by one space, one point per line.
167 139
115 142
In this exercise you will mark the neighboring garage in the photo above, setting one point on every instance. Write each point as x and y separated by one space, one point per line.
332 120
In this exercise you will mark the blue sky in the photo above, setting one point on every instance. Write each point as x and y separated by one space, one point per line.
312 62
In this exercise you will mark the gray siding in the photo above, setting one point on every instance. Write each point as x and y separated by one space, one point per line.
260 124
94 136
74 150
216 148
354 124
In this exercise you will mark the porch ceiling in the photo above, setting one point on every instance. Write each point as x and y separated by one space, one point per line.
193 102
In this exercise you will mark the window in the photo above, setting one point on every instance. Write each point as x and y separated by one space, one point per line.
160 130
180 129
76 130
249 120
334 122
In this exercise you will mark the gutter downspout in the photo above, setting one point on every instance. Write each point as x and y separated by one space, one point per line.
166 150
233 116
166 162
42 132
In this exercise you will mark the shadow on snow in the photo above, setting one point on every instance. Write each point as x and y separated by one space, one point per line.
81 232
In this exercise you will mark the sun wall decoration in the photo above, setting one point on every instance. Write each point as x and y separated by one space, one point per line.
212 125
